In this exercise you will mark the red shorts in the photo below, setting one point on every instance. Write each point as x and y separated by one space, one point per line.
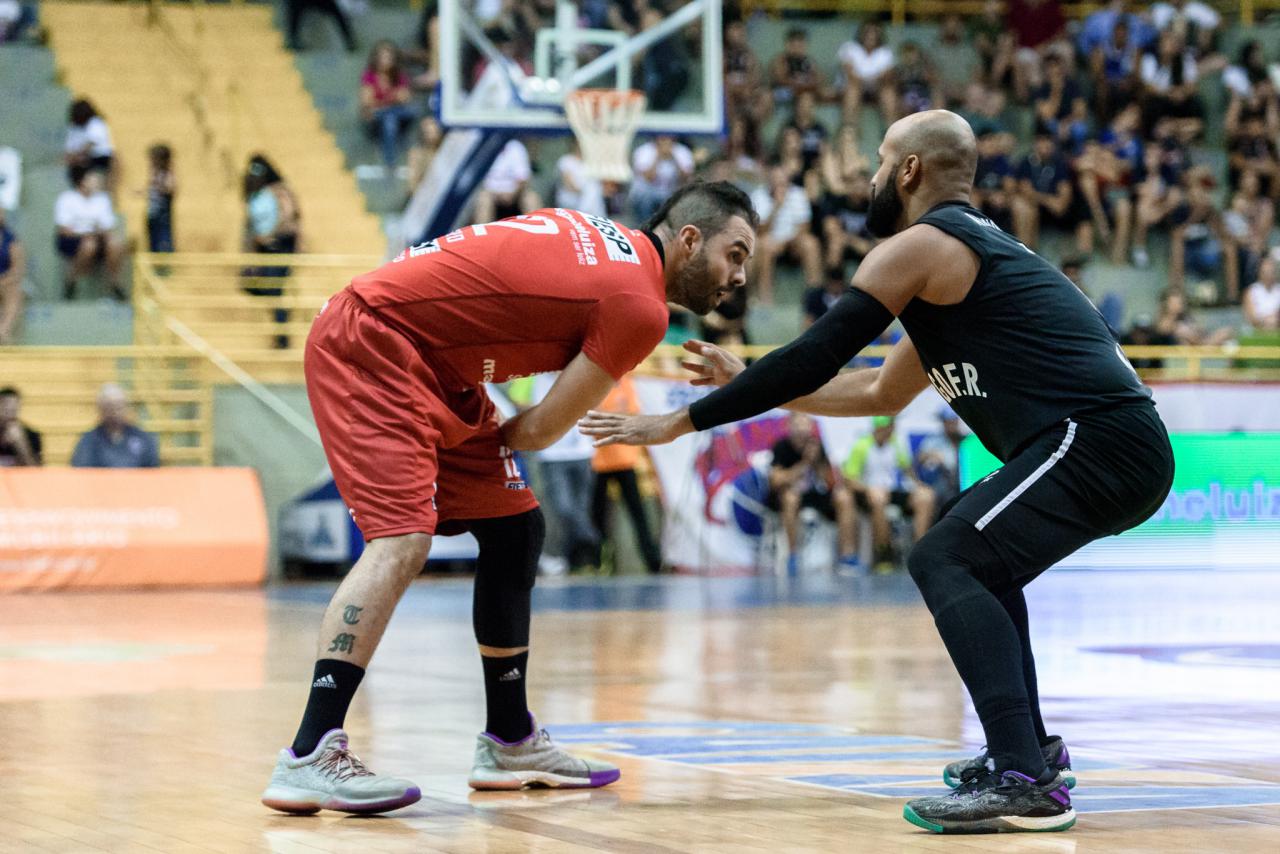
406 453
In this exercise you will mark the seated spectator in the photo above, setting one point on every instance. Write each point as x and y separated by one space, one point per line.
1248 221
1107 171
1169 83
785 214
664 69
994 184
505 190
1099 28
1114 70
1143 333
743 153
661 166
995 44
1060 106
13 270
618 464
817 301
1195 23
984 111
800 476
575 189
19 444
793 71
115 443
956 61
790 156
844 224
88 144
813 135
1038 27
18 22
1262 299
86 222
1198 239
879 473
938 457
1159 191
1254 150
914 80
866 66
1045 194
844 163
385 101
1249 70
427 142
746 96
1176 321
161 187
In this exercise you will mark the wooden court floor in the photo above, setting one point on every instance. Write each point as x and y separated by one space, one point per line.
747 716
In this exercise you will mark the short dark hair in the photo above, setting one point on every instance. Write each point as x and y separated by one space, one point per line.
708 205
81 112
10 391
797 33
77 174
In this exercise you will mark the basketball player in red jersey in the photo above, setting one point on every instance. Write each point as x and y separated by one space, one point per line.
395 366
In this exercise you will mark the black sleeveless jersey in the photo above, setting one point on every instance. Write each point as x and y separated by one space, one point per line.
1024 350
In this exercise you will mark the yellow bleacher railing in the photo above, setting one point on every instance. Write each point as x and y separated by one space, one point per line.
167 387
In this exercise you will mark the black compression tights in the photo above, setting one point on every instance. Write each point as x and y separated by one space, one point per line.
986 636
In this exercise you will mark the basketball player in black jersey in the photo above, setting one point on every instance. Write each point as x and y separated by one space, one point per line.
1029 364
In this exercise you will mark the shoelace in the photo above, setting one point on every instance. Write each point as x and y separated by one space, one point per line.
342 764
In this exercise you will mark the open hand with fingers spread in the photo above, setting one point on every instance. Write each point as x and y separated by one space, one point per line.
720 366
612 428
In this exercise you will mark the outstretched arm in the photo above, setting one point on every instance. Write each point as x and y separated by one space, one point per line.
582 385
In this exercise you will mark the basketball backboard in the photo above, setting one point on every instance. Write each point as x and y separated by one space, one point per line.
506 71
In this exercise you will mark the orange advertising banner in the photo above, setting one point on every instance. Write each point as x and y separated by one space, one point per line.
65 528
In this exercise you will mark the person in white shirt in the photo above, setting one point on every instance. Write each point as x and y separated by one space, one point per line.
785 214
661 167
86 235
866 66
1197 23
575 188
1262 298
88 142
505 191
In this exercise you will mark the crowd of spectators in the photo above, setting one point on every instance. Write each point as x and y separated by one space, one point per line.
114 442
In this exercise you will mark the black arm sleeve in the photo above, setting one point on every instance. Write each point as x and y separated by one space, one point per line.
802 367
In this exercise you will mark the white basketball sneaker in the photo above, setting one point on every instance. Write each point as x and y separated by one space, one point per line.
331 777
535 760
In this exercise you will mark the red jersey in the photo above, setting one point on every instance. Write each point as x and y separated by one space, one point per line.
521 296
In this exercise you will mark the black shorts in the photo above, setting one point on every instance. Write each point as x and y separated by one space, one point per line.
814 499
1094 475
900 498
69 245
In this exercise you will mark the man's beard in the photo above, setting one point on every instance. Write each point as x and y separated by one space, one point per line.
693 282
886 207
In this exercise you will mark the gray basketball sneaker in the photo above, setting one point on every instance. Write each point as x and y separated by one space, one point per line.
535 760
1055 756
331 777
997 803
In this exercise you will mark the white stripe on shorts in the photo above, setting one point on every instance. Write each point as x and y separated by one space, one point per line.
1031 478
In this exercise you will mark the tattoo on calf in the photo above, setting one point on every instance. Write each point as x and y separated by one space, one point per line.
343 643
351 614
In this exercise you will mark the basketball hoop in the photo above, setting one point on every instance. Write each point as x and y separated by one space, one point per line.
604 121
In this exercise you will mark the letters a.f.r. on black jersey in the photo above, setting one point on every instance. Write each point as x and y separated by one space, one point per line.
1024 349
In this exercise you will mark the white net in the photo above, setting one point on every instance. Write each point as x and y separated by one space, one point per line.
604 121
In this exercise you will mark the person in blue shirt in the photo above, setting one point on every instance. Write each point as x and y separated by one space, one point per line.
115 443
1046 194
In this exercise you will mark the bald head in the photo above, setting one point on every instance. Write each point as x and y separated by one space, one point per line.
113 406
945 144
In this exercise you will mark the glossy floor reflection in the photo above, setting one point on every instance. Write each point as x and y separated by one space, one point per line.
747 715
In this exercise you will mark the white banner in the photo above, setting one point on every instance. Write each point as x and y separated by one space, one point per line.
708 521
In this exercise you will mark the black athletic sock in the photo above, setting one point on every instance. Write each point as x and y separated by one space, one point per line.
1015 605
332 687
506 708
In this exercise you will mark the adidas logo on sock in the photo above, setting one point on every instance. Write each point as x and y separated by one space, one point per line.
510 676
325 681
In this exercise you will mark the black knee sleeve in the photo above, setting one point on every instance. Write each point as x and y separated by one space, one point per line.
505 573
948 559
